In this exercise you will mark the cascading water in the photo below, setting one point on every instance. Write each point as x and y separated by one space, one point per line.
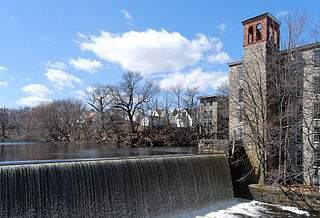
135 187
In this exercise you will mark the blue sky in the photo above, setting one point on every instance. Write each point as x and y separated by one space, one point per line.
56 49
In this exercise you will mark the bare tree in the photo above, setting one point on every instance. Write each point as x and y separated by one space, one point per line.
192 103
99 98
130 95
60 120
6 122
223 88
177 91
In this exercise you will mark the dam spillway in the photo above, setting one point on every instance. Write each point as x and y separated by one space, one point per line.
135 187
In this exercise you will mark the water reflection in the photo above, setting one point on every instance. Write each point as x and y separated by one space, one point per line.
50 151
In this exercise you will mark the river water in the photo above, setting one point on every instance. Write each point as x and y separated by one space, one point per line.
22 151
15 153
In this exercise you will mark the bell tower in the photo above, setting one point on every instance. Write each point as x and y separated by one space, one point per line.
261 37
262 28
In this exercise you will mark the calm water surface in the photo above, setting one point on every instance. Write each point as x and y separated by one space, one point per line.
21 151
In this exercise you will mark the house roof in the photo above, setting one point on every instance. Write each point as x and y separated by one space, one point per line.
210 96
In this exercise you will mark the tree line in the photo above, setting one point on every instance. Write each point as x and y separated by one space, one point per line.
111 114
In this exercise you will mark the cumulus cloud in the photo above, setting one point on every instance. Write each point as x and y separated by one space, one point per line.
3 68
36 90
87 65
56 65
3 83
220 57
282 14
150 51
126 14
195 78
32 100
61 79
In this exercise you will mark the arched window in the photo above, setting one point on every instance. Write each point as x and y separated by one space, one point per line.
270 33
250 35
258 32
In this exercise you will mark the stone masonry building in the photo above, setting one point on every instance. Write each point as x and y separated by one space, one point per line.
214 116
257 112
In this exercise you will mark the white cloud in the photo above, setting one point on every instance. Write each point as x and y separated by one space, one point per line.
3 68
56 65
87 65
195 78
126 14
282 14
221 27
36 90
221 58
3 83
61 79
150 51
32 100
80 94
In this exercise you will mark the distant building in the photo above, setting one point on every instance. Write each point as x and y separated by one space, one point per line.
214 116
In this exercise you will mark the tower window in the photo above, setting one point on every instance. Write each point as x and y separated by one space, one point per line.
258 32
316 134
240 73
316 158
240 115
250 35
299 158
240 95
240 135
316 58
316 111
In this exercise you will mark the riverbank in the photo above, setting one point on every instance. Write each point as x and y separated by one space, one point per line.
304 197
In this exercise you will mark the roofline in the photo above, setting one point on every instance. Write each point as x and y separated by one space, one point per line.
234 63
304 47
260 16
210 96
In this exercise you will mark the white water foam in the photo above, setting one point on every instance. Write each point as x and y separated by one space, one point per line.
239 208
294 210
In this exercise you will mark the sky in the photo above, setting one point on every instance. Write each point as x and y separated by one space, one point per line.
51 50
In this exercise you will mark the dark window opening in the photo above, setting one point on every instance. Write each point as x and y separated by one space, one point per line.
240 95
240 115
258 32
240 132
316 134
316 58
299 158
299 134
240 73
250 35
316 159
316 111
299 62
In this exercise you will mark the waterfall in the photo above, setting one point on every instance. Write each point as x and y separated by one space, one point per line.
132 187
